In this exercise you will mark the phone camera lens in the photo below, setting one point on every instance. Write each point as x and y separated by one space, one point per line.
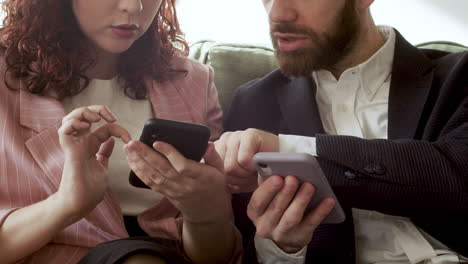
262 165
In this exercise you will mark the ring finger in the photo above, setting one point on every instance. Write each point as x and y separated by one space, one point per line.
148 174
282 201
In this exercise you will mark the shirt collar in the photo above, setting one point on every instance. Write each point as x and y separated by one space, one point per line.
376 70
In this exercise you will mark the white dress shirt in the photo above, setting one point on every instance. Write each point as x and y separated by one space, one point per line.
357 105
130 114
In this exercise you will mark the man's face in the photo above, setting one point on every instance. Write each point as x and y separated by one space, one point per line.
311 34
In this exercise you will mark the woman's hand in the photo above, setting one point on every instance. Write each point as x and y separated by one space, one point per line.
84 179
196 189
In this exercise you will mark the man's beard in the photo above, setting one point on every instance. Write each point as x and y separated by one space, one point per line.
323 52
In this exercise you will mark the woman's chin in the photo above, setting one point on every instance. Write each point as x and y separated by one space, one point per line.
116 48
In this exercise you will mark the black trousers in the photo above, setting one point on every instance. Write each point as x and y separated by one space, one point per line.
114 252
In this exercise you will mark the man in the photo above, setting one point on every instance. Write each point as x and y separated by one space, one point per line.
389 126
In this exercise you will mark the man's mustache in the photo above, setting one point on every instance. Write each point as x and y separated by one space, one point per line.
290 28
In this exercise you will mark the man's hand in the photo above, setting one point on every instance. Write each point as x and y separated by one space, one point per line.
237 150
277 208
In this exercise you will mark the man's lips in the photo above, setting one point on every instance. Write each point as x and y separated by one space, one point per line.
290 42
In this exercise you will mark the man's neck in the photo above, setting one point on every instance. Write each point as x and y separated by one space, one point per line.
369 41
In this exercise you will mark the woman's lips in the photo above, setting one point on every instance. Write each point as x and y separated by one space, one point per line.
124 31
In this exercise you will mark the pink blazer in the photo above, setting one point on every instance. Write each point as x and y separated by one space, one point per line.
31 160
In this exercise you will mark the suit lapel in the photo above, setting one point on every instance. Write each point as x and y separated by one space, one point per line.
411 81
299 108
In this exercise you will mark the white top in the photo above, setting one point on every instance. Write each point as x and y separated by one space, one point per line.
357 105
130 114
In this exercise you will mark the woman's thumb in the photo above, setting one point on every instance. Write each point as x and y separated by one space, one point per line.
212 157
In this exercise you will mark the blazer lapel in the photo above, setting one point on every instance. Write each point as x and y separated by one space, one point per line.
170 103
411 81
299 108
43 115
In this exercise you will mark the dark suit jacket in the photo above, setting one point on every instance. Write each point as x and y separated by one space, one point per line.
421 171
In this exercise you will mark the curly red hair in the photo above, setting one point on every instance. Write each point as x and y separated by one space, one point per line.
43 46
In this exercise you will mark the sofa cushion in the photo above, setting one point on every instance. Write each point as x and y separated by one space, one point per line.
233 64
443 45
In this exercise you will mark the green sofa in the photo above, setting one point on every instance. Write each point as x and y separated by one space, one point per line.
236 64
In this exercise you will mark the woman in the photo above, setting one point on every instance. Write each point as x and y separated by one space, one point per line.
62 191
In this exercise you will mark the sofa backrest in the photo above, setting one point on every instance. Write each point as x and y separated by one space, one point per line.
236 64
233 64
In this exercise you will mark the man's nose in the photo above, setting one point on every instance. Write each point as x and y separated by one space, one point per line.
280 11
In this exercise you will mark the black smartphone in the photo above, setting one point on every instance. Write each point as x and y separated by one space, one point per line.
191 140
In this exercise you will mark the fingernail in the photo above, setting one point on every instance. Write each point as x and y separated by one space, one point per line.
276 182
158 145
126 139
132 145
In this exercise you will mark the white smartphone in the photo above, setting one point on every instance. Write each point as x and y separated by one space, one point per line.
306 168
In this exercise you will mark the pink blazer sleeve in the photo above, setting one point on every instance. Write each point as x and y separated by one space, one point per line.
31 164
214 113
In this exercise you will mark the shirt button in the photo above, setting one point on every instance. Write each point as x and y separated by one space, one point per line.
350 175
375 169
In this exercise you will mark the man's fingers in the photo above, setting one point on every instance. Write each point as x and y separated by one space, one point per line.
231 164
316 216
230 158
220 144
294 214
248 147
263 196
212 158
282 200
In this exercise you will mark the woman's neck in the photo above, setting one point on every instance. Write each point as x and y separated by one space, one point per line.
105 66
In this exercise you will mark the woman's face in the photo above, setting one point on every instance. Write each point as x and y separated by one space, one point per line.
114 25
